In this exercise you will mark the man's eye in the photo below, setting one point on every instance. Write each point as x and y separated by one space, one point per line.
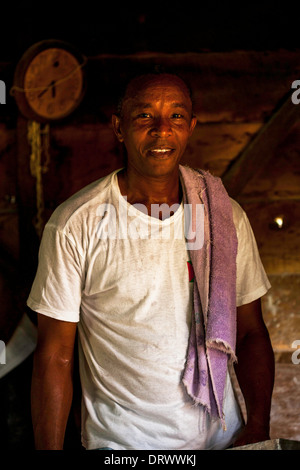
144 115
177 116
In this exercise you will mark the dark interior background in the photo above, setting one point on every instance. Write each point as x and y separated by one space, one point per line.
240 59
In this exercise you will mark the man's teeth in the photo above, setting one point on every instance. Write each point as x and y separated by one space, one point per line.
160 150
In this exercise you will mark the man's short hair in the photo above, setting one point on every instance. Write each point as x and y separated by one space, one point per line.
157 70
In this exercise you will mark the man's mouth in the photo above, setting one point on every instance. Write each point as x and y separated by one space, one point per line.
160 152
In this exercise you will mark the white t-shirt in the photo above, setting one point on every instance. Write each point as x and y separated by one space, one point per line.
124 276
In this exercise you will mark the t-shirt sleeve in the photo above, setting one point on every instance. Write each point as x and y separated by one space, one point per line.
252 281
57 287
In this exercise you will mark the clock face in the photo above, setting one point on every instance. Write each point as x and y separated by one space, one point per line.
53 83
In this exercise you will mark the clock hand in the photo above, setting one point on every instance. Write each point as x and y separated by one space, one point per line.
51 85
42 92
53 89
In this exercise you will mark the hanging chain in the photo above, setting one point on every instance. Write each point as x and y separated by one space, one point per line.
39 140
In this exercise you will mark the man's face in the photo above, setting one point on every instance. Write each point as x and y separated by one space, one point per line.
155 125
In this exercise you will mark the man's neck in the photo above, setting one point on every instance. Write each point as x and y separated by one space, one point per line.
150 191
156 190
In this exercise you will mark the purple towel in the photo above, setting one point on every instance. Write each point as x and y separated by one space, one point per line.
213 331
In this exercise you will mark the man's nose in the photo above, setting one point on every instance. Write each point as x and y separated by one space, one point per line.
161 128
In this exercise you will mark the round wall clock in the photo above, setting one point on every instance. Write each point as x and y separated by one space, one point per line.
49 81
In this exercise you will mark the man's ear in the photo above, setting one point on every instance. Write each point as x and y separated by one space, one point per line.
116 123
193 124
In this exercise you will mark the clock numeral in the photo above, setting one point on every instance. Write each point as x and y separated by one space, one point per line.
41 59
31 96
39 103
76 82
50 108
35 68
62 105
71 96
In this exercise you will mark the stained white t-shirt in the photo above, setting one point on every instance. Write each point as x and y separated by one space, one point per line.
124 277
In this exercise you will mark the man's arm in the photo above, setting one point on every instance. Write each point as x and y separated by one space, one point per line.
52 384
254 371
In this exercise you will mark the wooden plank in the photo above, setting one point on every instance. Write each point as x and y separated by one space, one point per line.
260 150
236 86
273 444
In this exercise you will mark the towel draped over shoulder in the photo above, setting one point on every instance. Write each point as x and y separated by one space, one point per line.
213 331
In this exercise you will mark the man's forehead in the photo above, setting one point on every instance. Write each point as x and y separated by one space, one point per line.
145 89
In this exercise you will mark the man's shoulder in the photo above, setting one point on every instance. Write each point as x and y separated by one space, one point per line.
236 208
82 201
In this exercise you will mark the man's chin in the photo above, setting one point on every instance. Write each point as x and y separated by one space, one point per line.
162 168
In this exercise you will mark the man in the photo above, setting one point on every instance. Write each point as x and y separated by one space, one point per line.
129 289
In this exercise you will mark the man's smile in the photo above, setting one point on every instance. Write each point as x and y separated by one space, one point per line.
160 151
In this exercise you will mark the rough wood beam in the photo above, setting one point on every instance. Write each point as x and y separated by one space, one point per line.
261 149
